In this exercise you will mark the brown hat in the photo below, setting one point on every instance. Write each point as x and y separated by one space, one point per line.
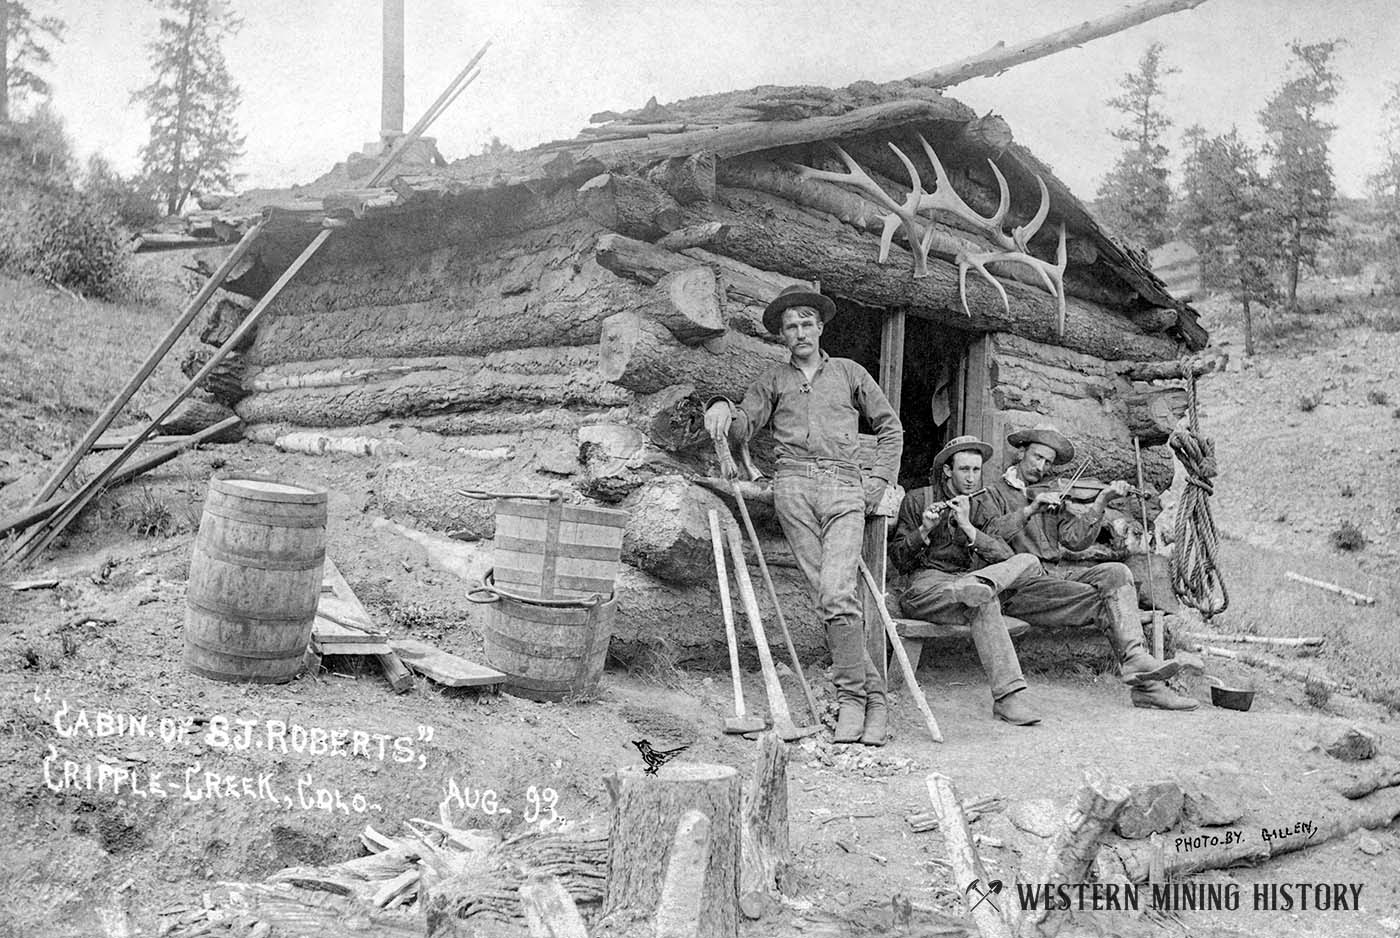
795 296
1046 435
960 444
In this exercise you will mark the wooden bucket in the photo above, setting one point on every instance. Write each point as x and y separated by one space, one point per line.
546 549
548 650
255 577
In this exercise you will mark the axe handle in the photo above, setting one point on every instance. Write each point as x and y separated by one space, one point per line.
727 607
777 703
909 677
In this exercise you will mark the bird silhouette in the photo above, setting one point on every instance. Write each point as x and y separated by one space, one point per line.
655 759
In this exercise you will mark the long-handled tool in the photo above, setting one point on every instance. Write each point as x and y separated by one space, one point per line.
741 721
773 595
908 669
777 703
1158 650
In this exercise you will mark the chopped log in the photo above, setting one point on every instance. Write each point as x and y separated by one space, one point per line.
988 135
1202 363
668 533
640 355
224 319
645 814
1277 667
694 236
1153 413
686 302
549 911
1307 641
638 260
319 444
678 910
630 206
1373 813
744 284
1154 319
1351 596
999 58
192 416
673 418
224 383
293 911
617 459
764 844
968 871
687 179
566 377
1089 815
845 261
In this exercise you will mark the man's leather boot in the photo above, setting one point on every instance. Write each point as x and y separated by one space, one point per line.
876 719
1015 709
1156 695
850 721
1125 634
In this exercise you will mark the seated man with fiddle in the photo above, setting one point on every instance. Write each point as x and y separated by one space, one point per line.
1034 521
958 571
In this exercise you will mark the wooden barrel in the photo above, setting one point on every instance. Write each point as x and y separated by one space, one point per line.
255 577
548 652
550 550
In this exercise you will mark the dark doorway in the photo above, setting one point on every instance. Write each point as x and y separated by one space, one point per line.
931 394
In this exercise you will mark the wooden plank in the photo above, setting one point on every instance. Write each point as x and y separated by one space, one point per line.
121 442
338 616
444 668
872 551
977 391
892 357
19 586
350 648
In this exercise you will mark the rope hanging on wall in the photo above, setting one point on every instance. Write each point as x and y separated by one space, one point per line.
1194 566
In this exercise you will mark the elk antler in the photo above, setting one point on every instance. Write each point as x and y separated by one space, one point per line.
1052 275
946 198
906 214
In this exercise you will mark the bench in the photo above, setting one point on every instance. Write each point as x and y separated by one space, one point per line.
914 632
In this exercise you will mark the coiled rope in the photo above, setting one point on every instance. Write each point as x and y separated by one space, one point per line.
1194 565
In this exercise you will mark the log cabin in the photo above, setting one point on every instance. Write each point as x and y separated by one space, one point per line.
555 318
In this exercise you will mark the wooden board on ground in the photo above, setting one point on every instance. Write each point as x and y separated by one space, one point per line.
444 668
343 627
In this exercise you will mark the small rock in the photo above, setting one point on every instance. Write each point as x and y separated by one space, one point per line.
1039 816
1349 743
1151 809
1369 845
1212 804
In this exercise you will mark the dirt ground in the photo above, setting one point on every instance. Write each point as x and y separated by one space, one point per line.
80 859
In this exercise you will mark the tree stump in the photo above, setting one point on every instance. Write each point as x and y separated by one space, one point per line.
647 812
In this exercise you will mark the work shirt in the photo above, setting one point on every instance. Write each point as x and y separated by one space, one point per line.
1047 535
948 548
818 420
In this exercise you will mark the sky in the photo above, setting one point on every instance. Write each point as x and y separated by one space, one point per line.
310 69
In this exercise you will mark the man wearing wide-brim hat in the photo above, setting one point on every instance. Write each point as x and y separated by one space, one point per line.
956 572
1031 521
813 403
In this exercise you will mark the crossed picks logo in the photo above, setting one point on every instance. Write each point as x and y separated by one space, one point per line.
986 895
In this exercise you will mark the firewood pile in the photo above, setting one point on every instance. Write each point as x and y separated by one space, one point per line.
447 875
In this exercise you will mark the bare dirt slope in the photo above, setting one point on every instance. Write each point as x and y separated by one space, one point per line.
82 860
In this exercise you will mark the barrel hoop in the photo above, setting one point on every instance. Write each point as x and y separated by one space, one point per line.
583 585
260 563
532 649
231 678
568 550
263 518
274 655
308 497
241 616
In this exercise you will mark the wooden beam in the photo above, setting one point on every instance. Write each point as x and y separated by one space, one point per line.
892 357
1000 57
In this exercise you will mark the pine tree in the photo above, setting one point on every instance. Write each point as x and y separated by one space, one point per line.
191 103
1135 197
1237 224
1192 212
1385 183
23 48
1298 141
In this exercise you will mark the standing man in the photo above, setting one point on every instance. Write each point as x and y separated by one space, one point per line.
959 571
1104 593
813 403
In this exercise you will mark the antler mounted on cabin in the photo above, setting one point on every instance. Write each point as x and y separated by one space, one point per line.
1014 247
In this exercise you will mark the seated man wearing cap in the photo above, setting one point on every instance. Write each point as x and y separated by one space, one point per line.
1103 594
958 571
813 403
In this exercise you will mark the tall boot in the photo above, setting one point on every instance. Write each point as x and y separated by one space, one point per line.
1124 629
848 674
876 718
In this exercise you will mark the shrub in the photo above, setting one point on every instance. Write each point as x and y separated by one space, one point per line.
1348 537
1309 402
1377 396
1317 693
150 517
65 237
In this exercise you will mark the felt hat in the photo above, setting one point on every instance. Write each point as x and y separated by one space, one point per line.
795 296
959 444
1046 435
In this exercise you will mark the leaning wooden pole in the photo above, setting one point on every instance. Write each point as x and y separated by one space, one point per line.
177 329
1000 57
43 535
